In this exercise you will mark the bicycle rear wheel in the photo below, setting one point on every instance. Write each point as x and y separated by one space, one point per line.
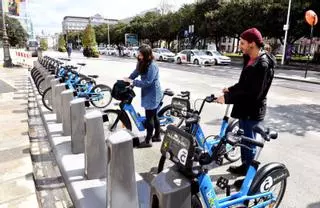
277 190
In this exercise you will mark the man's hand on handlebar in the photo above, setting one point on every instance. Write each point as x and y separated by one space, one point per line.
220 99
225 90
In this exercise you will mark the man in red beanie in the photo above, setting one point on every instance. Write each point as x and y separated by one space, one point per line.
249 94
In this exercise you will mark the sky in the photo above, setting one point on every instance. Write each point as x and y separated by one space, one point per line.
47 15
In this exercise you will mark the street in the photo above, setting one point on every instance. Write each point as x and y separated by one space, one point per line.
293 111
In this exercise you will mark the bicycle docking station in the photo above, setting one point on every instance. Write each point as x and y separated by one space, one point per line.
98 171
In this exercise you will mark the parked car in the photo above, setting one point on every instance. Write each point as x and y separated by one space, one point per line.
134 51
194 56
218 57
33 46
111 51
102 50
163 54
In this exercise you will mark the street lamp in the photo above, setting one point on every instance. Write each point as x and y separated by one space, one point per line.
286 28
7 61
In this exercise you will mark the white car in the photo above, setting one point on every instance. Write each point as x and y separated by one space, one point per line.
194 57
102 50
218 57
163 54
134 51
111 51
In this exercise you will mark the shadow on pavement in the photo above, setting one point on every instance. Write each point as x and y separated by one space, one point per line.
314 205
295 119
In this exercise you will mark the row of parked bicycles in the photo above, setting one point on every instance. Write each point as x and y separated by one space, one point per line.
192 153
84 86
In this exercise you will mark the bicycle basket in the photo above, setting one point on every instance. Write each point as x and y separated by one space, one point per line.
178 146
179 106
120 91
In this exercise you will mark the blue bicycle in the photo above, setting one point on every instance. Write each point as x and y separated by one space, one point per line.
192 126
119 118
262 187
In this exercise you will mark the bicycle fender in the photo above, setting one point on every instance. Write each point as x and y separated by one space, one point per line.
267 176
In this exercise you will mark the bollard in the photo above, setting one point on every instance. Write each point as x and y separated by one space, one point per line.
66 98
77 110
121 181
53 82
171 189
59 88
94 146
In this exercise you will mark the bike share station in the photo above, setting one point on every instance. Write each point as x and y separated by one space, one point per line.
98 166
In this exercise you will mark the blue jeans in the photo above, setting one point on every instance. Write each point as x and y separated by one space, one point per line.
248 155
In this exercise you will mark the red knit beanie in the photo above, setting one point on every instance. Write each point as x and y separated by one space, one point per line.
253 35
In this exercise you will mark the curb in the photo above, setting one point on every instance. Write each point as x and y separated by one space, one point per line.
297 79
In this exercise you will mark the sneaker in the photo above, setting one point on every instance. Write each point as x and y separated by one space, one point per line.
156 139
145 144
239 170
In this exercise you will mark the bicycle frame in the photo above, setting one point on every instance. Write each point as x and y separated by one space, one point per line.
207 144
140 120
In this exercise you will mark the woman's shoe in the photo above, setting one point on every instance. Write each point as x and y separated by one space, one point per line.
145 144
156 139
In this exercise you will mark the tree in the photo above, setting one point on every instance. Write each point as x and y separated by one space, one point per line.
89 42
73 37
16 34
44 44
101 32
61 44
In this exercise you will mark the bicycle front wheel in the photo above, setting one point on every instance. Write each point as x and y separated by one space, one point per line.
100 96
47 98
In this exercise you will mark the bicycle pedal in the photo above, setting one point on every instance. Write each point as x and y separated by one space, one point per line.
87 103
223 183
219 161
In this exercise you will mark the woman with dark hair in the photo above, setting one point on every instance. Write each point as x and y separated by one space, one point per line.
150 92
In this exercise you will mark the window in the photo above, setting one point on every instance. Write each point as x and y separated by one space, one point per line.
183 52
230 40
224 40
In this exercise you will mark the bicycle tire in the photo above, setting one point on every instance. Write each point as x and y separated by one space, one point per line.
234 155
40 86
105 89
47 95
279 198
110 124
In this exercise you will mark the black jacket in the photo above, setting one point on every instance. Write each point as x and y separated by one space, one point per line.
249 95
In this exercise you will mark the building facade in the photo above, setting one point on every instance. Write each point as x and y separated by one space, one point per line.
73 23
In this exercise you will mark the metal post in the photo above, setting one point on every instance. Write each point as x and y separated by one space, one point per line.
54 82
78 111
48 81
286 34
95 156
57 99
311 36
108 34
7 61
121 180
66 98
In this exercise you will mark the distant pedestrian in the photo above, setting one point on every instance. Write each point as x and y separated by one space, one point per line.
69 49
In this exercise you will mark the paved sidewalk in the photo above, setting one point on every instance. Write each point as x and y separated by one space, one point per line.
17 187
